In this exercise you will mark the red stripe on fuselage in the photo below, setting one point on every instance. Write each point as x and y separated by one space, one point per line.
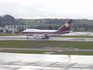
39 32
57 32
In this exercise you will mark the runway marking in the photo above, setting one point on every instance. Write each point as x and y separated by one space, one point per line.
44 65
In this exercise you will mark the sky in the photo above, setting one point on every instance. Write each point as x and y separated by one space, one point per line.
34 9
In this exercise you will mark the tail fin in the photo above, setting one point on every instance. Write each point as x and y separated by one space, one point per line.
65 27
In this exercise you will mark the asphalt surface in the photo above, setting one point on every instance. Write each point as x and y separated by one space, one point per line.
51 38
18 61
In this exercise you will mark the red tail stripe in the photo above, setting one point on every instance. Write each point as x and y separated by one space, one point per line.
64 28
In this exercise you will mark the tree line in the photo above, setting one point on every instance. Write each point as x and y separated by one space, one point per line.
6 19
77 24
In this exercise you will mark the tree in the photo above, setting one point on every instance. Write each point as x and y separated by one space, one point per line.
50 27
1 21
9 19
56 27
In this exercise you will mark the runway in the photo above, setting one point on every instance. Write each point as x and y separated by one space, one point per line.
16 61
51 38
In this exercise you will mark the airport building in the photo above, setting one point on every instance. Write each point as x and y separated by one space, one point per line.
2 29
18 26
8 30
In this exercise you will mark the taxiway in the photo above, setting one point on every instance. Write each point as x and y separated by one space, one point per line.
51 38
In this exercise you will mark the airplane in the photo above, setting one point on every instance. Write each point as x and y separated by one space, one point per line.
45 34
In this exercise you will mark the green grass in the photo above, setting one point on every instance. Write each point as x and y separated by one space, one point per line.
24 51
43 52
48 44
7 34
43 44
40 24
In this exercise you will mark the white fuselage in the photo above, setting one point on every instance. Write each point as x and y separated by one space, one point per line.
30 32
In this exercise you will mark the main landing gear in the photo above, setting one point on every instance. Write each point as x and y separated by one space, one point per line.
45 37
27 37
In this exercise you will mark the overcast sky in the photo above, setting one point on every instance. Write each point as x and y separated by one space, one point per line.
75 9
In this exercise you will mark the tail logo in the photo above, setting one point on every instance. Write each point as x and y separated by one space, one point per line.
66 25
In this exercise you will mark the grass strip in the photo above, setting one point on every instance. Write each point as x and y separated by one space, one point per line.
8 34
24 51
45 44
42 52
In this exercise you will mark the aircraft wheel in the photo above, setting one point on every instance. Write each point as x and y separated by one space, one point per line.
27 37
46 37
43 38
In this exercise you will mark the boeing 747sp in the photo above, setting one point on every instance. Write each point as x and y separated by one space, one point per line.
45 34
